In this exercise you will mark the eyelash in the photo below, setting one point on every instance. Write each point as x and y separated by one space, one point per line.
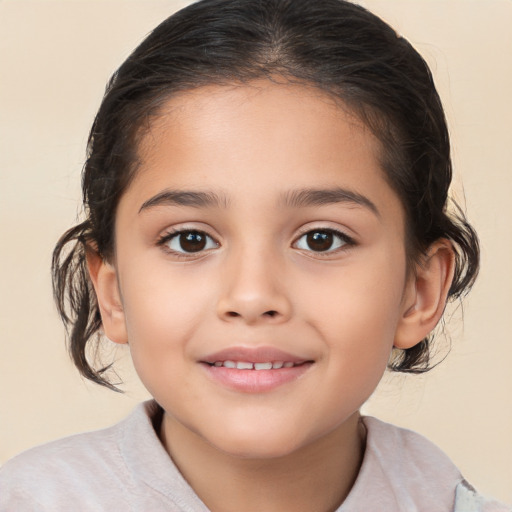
163 241
166 238
346 241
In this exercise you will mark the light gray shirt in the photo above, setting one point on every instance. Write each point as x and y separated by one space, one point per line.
126 468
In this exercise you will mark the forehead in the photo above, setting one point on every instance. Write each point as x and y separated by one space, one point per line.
262 136
264 109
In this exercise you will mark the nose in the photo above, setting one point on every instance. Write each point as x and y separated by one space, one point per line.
253 290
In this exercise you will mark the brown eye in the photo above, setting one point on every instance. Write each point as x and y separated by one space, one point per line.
323 240
319 240
190 242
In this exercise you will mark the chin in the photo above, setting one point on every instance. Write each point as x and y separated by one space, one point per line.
257 450
260 444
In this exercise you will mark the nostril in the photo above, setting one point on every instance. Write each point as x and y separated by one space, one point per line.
271 314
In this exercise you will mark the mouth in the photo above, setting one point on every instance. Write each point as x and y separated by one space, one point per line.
255 370
252 358
246 365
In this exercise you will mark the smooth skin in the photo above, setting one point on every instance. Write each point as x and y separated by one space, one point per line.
290 238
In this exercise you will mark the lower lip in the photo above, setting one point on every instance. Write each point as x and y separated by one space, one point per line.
255 381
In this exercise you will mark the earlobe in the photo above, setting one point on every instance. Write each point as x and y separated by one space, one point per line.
104 279
426 294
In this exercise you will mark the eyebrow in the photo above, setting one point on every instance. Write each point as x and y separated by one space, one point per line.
300 198
195 199
319 197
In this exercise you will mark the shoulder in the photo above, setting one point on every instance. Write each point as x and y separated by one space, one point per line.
404 471
407 450
467 499
417 469
63 454
55 474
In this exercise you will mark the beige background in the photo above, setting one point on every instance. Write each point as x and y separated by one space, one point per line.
55 57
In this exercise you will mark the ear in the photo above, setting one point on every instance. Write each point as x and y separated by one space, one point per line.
425 294
104 279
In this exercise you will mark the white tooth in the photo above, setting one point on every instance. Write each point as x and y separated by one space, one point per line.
262 366
218 363
277 365
288 364
229 364
242 365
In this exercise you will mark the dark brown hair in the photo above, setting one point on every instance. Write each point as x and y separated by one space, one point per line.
333 45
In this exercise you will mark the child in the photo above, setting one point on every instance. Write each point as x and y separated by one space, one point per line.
266 197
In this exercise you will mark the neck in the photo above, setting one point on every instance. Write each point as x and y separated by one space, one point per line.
318 476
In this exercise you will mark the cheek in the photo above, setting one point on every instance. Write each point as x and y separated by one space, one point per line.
356 320
163 309
357 308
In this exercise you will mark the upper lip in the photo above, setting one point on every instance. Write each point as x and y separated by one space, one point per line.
253 355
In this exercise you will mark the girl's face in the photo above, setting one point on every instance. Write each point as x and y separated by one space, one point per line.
259 231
